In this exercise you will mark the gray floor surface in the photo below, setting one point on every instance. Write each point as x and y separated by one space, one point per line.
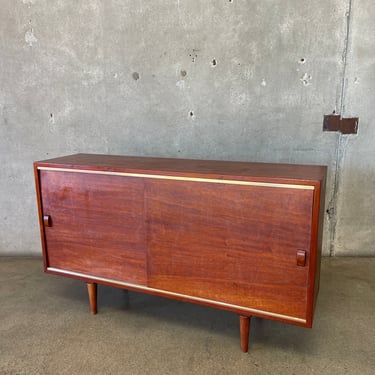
46 328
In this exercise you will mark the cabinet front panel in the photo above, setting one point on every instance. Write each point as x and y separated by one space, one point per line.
96 224
230 243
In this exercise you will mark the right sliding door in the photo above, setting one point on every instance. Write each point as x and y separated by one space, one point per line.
231 243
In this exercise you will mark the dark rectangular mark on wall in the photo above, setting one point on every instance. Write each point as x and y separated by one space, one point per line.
335 123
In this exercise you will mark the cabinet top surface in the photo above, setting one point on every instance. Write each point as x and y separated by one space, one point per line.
189 167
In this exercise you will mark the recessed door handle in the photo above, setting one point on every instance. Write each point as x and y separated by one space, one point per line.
301 258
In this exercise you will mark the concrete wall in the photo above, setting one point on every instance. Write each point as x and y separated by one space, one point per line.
355 227
218 79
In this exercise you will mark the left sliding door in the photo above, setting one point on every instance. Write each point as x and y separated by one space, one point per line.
94 224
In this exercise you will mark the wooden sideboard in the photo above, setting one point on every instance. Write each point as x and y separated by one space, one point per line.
244 237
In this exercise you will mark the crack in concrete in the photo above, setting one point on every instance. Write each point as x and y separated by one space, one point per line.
345 56
341 140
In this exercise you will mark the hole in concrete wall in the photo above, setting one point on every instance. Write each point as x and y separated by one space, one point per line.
135 76
191 114
214 62
231 1
302 60
306 79
183 73
194 55
330 212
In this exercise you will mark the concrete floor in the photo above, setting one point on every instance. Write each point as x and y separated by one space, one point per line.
46 328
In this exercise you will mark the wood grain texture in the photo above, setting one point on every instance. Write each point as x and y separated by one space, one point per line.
98 225
234 244
266 172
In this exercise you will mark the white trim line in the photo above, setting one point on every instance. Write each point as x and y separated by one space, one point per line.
180 178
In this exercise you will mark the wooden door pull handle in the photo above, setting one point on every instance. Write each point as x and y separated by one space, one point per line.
301 258
47 221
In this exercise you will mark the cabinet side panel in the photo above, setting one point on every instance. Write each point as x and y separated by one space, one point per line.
319 209
229 243
96 224
40 214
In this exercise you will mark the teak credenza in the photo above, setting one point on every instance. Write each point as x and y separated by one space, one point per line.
244 237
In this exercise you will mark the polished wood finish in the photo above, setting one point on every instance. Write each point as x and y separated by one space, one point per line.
98 224
212 236
244 332
93 293
245 237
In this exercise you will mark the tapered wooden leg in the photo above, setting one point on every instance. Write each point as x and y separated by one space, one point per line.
244 332
92 290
